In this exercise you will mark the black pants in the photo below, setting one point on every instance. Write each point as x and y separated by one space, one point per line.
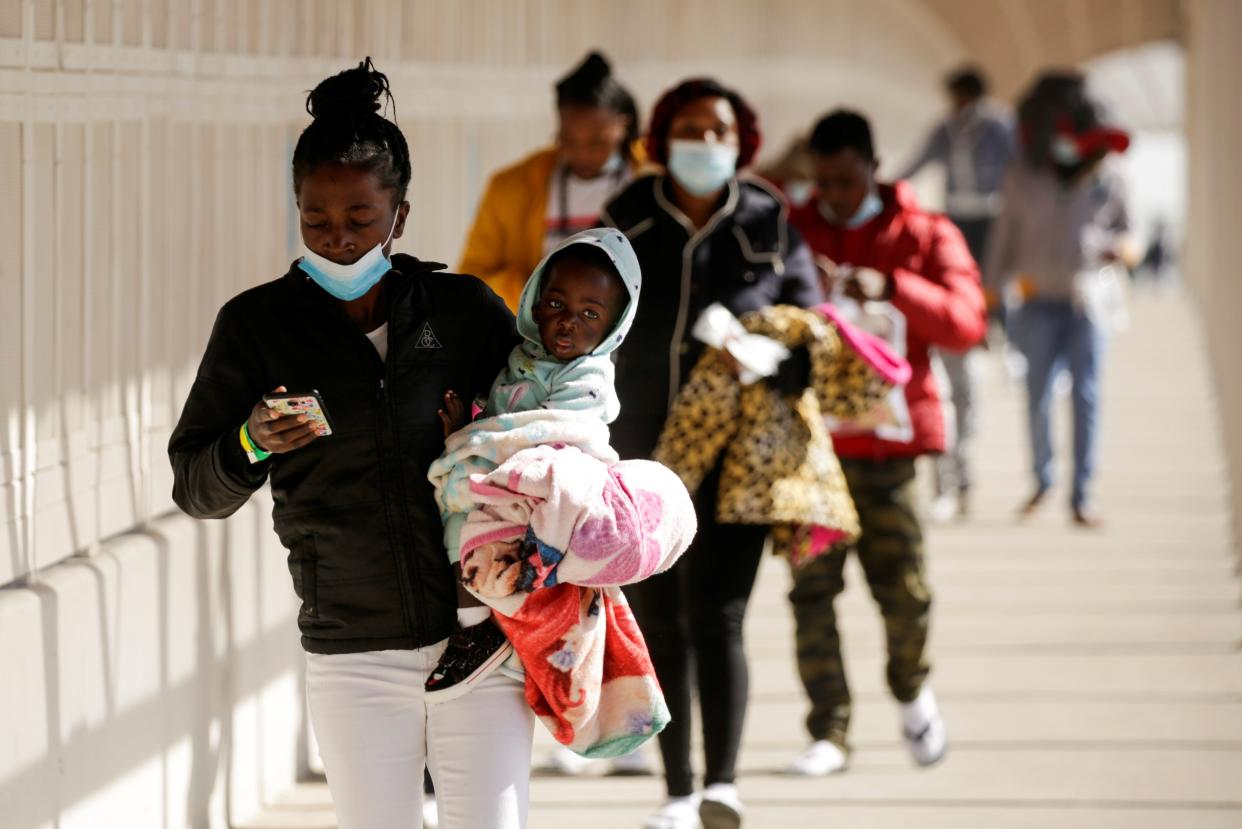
976 233
691 617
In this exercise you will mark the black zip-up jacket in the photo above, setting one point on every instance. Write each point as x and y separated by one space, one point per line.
354 509
746 257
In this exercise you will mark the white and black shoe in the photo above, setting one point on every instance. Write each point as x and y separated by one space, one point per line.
676 813
924 730
820 759
431 814
721 807
472 653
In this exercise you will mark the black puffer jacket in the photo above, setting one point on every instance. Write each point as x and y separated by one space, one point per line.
354 509
746 257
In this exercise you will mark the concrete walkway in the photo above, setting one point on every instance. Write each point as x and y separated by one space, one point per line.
1089 679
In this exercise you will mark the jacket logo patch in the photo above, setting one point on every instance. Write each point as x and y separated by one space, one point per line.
427 338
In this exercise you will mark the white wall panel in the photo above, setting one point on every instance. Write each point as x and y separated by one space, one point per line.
139 678
1213 244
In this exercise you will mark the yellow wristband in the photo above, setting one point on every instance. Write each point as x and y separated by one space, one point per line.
253 452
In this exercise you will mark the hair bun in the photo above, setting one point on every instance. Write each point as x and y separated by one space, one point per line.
356 91
592 74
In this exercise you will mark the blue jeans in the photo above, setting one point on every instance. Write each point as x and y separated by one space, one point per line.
1053 336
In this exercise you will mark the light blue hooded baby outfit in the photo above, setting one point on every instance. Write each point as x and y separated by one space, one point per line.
535 379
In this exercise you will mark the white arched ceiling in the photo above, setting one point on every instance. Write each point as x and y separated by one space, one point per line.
1145 86
1013 39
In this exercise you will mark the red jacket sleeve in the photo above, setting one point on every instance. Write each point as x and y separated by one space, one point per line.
944 303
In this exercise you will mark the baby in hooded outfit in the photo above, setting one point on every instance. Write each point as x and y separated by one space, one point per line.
574 312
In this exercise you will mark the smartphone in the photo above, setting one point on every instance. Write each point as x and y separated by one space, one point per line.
302 403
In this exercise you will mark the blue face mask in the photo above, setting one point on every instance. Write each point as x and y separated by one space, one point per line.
872 205
349 281
701 168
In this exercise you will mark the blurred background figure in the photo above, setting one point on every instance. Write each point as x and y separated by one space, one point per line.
1060 239
531 206
975 146
1157 258
792 171
876 246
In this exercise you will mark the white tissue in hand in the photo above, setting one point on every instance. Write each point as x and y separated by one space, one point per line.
716 325
758 355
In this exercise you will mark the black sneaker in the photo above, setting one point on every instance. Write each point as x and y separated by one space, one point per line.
471 655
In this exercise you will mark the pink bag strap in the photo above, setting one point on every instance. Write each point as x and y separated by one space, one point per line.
873 351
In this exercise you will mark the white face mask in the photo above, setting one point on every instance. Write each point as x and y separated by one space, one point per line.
350 281
700 167
1064 150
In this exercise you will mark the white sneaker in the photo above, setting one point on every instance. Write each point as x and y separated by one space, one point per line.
924 729
431 813
676 813
634 764
943 509
820 758
721 807
563 761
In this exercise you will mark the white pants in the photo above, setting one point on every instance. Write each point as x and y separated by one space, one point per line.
375 733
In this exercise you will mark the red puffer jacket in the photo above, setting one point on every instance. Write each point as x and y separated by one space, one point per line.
935 284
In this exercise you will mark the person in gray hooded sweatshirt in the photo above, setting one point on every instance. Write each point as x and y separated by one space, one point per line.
574 312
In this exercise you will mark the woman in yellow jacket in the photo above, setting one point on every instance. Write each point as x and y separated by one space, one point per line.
531 206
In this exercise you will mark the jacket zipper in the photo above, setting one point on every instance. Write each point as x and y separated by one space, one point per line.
386 433
403 576
692 243
408 558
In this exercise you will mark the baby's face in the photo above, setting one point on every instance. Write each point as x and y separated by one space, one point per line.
578 307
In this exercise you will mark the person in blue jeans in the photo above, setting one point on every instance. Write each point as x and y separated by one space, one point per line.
1061 231
975 146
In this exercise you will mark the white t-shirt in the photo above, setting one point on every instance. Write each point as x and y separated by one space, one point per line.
379 339
574 204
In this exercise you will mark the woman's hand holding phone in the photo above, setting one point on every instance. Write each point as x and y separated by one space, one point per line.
277 433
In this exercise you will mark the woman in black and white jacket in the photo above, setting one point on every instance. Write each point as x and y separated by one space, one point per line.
703 234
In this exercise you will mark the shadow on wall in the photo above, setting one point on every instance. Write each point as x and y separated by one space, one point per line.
170 680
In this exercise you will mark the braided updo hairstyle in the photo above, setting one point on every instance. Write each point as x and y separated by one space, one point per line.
591 84
349 129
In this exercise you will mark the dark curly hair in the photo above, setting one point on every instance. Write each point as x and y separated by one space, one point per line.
349 129
693 89
968 81
842 129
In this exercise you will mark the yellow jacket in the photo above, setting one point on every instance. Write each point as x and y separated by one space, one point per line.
505 243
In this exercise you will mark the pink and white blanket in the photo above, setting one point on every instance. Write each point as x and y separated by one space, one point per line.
554 526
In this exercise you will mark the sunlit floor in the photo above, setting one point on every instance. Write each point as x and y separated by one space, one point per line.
1089 679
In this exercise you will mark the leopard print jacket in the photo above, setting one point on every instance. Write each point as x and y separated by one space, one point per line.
779 467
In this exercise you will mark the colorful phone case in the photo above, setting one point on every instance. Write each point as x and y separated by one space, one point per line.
308 404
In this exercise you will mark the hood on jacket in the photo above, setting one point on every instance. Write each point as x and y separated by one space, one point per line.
618 250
